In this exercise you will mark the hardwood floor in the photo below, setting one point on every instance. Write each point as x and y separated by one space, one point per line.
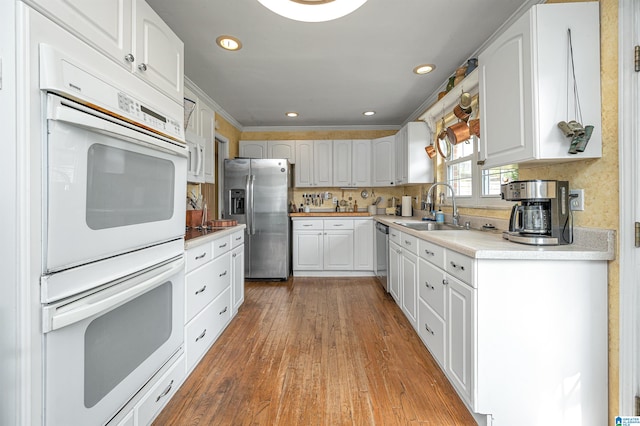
317 351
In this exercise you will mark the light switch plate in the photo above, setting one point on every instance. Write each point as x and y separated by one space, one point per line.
576 201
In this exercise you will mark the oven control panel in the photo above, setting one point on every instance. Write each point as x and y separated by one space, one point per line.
146 116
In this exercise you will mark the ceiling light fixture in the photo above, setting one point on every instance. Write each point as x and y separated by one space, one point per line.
424 69
229 42
291 114
368 113
312 10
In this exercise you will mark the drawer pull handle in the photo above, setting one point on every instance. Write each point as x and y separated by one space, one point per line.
165 392
430 253
204 287
223 311
456 266
201 256
407 242
202 335
307 224
338 224
238 239
426 283
426 327
223 274
223 246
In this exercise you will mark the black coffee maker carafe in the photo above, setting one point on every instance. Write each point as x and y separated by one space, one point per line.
542 216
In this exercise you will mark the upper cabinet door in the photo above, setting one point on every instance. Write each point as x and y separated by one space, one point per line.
304 164
322 163
383 161
194 122
159 53
342 163
104 24
282 149
253 149
361 162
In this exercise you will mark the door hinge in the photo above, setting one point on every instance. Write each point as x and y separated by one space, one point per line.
637 227
637 58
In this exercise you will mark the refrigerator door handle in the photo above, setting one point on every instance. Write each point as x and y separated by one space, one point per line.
249 195
252 207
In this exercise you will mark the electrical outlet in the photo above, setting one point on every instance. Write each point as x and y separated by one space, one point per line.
576 202
335 200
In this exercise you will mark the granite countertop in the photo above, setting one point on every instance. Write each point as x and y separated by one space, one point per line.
589 243
195 237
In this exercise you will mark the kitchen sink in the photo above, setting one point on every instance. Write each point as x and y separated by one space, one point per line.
430 226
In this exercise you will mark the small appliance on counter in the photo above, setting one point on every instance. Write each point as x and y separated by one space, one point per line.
542 217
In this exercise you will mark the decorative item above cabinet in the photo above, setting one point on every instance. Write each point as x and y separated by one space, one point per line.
529 83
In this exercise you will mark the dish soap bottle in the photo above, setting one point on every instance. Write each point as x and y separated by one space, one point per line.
439 216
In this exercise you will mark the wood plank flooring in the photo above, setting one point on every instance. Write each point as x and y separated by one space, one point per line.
317 351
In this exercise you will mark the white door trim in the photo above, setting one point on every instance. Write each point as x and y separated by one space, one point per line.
629 158
223 153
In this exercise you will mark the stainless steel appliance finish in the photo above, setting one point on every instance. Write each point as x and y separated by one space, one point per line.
382 255
543 215
257 192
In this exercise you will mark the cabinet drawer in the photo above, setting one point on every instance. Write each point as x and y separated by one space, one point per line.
221 245
431 287
202 331
307 225
205 283
198 256
432 331
338 224
460 266
431 252
237 238
395 236
410 243
162 392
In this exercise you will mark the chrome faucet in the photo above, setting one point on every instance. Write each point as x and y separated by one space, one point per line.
456 216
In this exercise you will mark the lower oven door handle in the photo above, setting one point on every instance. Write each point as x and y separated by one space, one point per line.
64 313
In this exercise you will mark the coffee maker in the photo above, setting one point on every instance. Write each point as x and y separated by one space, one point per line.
542 216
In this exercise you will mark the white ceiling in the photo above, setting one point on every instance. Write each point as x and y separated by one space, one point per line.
330 72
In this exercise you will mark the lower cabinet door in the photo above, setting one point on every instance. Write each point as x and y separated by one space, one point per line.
237 277
431 329
307 250
338 250
162 392
460 308
409 286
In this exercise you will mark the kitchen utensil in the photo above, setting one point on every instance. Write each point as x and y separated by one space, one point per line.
461 113
364 194
443 131
474 127
458 132
431 151
377 201
465 101
444 148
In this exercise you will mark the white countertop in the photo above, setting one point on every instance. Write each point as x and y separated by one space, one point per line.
590 244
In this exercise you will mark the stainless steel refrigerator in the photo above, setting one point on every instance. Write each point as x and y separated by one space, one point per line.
257 192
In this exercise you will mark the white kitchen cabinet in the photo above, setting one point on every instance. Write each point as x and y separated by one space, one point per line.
196 148
130 32
409 281
523 85
207 129
209 161
352 163
308 250
412 164
193 124
395 270
383 157
363 244
304 164
460 337
253 149
159 53
282 149
237 270
158 396
432 329
338 250
323 163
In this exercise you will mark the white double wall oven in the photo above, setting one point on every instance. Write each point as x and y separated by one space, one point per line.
112 174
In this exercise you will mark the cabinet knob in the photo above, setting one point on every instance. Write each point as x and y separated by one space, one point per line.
129 57
445 282
142 67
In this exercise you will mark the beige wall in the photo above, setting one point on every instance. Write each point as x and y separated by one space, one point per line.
599 178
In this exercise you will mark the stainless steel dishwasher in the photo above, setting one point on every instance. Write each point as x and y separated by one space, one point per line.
382 254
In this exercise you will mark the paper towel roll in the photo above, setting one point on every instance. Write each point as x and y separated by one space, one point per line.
406 206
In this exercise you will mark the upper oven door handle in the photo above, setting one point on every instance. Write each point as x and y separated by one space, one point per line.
65 313
61 109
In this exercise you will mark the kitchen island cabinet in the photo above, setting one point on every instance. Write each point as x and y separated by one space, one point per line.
520 331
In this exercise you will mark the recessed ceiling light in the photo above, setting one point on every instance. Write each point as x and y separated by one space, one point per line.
229 42
291 114
368 113
312 10
424 69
